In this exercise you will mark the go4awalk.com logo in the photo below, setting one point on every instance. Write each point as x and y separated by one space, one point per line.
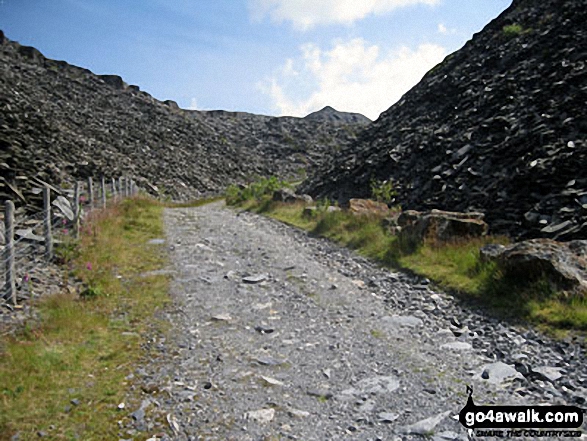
521 421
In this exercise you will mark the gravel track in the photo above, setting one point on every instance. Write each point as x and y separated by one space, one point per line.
278 335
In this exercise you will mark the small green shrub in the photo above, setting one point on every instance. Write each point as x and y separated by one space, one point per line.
383 191
512 30
91 292
232 195
254 191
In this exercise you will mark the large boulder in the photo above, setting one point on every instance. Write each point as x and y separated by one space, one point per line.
368 207
288 195
441 225
113 80
171 104
30 52
563 263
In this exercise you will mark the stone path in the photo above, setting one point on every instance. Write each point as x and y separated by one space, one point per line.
277 335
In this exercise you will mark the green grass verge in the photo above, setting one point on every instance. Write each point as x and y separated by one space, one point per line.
454 266
66 374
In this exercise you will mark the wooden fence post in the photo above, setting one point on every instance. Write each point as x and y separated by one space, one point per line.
113 188
47 223
9 283
91 192
76 209
103 191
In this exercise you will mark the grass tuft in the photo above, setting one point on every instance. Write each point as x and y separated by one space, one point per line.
513 30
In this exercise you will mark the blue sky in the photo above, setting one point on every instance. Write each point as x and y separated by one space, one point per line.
275 57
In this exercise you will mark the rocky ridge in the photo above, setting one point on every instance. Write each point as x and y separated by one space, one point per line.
60 122
332 115
497 127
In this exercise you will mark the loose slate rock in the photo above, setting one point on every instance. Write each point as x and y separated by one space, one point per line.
63 204
138 415
324 394
271 381
221 318
203 247
258 278
173 424
378 384
261 416
264 330
449 436
28 234
296 413
373 385
548 373
402 321
267 360
457 346
387 417
424 427
499 372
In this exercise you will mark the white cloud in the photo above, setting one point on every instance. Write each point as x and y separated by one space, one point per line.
193 105
351 77
305 14
288 68
442 29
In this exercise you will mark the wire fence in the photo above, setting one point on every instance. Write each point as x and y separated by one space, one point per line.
28 240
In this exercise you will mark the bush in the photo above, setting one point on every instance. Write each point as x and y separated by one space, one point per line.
383 191
254 191
513 30
232 194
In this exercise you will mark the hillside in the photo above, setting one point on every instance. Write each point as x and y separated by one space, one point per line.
499 126
297 145
60 122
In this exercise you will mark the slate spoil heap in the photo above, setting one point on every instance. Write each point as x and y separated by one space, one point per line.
60 122
499 127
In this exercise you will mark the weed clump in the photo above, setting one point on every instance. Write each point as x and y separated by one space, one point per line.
513 30
383 191
254 191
